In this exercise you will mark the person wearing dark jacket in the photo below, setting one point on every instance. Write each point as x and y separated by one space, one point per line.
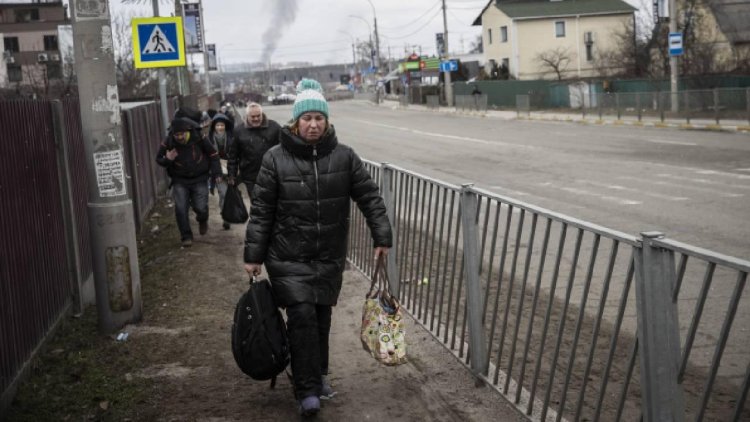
252 138
298 228
190 160
220 136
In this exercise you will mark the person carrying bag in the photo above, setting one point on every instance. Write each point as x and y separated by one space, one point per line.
234 210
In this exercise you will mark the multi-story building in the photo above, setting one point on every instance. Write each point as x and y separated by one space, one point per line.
547 39
30 45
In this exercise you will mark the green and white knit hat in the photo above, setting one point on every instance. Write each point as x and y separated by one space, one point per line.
309 98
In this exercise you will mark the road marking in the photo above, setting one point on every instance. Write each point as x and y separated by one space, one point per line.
443 135
698 170
662 141
683 186
638 191
703 181
724 173
584 192
745 169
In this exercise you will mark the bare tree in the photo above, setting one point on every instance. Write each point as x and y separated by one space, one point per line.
131 82
477 45
555 60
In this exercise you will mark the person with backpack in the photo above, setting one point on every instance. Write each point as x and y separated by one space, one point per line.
220 136
190 160
299 221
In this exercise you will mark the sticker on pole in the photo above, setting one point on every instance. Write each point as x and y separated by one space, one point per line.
110 173
158 42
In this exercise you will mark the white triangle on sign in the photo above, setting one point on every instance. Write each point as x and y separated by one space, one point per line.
158 43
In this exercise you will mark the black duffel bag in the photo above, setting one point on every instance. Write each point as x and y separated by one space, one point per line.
234 210
259 340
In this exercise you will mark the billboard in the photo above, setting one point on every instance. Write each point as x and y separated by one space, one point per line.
193 27
211 50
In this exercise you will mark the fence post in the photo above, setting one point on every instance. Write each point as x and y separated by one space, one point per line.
135 181
638 104
687 105
658 332
599 104
66 198
660 104
716 105
747 103
470 229
617 104
386 189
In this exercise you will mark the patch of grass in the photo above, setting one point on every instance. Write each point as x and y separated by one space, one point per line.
81 375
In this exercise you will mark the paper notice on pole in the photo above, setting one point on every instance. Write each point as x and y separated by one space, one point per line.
110 173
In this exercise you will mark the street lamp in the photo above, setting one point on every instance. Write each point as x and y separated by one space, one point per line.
369 28
354 56
377 38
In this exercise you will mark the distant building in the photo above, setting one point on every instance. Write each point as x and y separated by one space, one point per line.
30 45
516 33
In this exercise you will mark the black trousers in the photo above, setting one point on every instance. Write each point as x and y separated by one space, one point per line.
309 327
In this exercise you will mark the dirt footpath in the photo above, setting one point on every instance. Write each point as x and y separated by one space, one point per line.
198 379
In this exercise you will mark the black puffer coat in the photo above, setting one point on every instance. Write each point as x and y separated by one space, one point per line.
248 147
299 218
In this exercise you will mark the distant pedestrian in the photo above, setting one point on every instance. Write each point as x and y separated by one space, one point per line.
221 136
252 138
190 160
298 229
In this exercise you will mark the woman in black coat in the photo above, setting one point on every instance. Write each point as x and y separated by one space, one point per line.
298 228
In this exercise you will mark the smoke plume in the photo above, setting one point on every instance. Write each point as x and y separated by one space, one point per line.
283 14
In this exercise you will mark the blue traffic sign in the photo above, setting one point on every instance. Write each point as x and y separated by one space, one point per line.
449 66
158 42
675 43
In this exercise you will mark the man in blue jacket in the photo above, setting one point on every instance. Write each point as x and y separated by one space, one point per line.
190 160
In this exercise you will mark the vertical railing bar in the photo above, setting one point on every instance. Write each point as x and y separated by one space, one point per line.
459 289
534 301
355 244
420 253
697 314
719 351
414 253
462 338
579 323
427 235
597 325
550 302
738 408
522 295
401 210
453 271
445 264
626 382
484 230
561 328
440 250
511 281
407 251
680 275
616 334
501 258
491 260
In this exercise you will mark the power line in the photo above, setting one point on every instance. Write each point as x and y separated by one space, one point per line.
437 12
429 9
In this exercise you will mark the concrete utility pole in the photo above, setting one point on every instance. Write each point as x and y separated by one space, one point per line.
162 81
448 85
673 59
205 50
113 242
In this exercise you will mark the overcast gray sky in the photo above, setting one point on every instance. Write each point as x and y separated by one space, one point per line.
321 31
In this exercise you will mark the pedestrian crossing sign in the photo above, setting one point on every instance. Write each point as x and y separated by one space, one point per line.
158 42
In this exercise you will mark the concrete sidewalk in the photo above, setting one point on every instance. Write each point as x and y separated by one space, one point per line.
592 118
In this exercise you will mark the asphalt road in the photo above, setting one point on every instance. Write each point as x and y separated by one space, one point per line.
692 185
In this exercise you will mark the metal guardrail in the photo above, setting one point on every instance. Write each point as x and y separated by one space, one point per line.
471 102
566 319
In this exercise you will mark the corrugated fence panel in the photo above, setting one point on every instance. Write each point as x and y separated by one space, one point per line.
33 265
77 158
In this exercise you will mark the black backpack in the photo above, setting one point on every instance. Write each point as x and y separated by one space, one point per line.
259 340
